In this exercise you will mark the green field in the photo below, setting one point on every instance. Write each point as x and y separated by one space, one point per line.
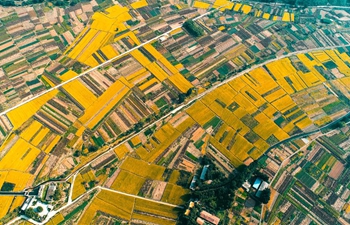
305 178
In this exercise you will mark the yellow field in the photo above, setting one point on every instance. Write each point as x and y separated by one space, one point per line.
143 169
292 17
187 123
100 33
174 177
48 81
56 219
17 202
40 136
68 75
5 203
114 204
321 56
128 182
20 156
135 140
240 148
104 104
78 188
180 82
136 75
233 159
162 69
109 51
163 133
260 81
121 151
223 3
52 144
88 176
250 94
157 71
172 194
155 208
21 179
201 5
148 83
80 93
31 130
266 16
200 113
139 4
95 119
246 9
21 114
152 219
286 17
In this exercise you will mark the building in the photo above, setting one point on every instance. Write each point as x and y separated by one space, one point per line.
187 213
204 172
50 192
262 187
200 221
257 183
26 204
246 185
41 191
191 205
193 183
209 217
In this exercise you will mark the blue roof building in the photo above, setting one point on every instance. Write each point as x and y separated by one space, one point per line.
193 183
262 187
257 183
204 172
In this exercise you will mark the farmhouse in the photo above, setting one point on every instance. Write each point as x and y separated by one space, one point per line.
257 183
200 221
193 183
204 172
246 185
209 217
263 185
50 191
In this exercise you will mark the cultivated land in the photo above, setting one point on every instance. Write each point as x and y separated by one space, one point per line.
109 111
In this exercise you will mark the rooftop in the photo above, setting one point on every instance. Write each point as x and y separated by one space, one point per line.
209 217
257 183
204 172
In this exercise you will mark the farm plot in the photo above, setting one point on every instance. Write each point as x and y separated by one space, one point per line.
128 182
117 205
21 114
143 169
20 156
174 194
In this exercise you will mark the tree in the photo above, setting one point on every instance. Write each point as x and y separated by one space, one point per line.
92 148
77 153
265 196
39 209
31 213
57 195
348 161
193 28
181 98
189 92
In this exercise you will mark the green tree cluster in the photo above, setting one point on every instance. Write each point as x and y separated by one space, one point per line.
193 29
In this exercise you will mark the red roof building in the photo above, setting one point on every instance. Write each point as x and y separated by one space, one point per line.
209 217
